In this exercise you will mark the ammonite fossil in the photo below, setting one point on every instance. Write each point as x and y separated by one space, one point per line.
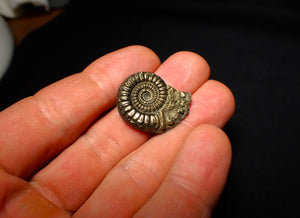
148 104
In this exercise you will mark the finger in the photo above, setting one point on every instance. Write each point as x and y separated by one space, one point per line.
19 199
132 182
196 179
35 129
83 166
214 104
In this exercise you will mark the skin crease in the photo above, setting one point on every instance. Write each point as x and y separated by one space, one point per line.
103 167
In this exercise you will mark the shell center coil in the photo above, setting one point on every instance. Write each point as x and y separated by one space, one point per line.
148 97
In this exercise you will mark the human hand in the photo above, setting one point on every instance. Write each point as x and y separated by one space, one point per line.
58 158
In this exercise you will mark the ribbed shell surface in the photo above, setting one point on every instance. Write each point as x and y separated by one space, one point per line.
140 97
145 102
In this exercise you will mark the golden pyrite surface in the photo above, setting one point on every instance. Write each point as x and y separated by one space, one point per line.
146 103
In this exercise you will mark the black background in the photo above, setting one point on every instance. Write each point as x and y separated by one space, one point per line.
253 48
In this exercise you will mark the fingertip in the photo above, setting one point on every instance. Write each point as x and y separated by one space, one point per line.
188 69
215 102
206 155
228 107
214 137
142 51
195 61
226 92
141 57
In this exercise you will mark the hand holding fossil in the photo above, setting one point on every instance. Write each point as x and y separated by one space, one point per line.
58 158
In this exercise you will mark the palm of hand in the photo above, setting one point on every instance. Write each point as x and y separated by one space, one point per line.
58 159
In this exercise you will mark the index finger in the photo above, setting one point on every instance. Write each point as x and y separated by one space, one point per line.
46 123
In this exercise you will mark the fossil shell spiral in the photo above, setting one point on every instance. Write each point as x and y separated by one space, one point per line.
146 103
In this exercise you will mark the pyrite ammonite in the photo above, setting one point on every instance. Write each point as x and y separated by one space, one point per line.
146 103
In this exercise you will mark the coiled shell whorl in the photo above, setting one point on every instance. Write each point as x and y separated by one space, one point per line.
145 102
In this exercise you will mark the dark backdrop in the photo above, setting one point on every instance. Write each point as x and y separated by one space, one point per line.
254 48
